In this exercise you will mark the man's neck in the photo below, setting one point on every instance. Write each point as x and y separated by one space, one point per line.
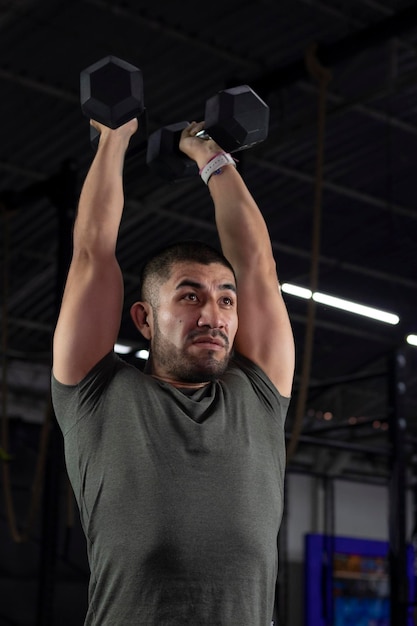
180 383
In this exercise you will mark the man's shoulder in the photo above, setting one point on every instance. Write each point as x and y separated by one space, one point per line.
240 363
256 376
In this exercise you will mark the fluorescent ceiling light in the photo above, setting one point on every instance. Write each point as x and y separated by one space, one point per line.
412 340
142 354
340 303
294 290
122 348
353 307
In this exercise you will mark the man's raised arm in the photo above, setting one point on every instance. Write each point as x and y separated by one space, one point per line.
89 319
264 334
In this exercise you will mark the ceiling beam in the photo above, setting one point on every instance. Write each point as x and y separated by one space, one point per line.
39 85
331 54
348 192
143 18
139 210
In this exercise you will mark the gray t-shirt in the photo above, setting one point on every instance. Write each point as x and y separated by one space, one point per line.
180 495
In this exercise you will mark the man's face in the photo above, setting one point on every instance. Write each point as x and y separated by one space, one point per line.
194 323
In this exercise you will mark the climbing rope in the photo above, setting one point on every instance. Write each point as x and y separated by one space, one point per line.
322 76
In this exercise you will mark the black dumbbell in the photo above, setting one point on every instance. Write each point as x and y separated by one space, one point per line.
111 93
235 118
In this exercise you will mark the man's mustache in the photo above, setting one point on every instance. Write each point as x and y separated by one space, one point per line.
214 332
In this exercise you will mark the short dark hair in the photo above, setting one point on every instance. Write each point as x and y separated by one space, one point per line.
157 269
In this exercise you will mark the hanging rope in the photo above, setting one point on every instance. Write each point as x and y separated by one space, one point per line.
5 456
322 76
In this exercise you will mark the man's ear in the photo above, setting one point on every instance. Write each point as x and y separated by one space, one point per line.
141 314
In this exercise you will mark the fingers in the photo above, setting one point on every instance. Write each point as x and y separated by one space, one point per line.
129 127
192 129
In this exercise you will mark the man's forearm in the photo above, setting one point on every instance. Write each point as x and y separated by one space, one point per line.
242 230
90 314
101 201
240 224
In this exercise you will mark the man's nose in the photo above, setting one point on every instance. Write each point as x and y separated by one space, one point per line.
211 315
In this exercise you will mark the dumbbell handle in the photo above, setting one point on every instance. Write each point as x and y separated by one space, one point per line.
202 134
235 119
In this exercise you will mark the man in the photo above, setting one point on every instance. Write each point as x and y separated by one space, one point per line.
177 471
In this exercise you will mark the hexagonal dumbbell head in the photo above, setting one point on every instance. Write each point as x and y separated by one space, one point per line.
111 91
237 118
164 156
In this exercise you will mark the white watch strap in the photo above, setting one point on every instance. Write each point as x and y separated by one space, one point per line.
215 164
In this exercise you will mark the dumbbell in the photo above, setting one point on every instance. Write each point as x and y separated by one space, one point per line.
236 118
111 92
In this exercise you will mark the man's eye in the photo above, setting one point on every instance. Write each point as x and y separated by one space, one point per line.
227 301
190 296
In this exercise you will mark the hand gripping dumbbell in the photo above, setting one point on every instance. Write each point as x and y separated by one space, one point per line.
235 118
111 93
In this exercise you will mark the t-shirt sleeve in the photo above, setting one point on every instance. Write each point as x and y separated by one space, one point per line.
263 386
72 402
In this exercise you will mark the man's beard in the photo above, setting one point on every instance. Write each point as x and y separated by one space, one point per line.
182 366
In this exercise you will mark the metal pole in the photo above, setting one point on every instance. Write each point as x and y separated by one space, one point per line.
328 551
397 493
343 445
